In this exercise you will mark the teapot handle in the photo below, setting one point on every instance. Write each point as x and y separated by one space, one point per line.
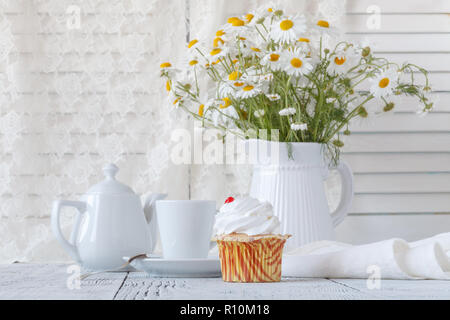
346 194
69 246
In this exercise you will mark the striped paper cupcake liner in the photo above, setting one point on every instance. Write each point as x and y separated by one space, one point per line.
253 260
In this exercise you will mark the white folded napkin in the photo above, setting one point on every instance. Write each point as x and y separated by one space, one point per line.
394 259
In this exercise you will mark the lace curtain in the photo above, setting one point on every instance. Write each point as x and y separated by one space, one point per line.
80 87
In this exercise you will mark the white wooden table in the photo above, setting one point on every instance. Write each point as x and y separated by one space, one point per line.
50 281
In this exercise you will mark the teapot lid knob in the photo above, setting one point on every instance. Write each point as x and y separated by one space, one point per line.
110 170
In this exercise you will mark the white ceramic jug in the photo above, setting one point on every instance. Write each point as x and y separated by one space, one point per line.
295 187
109 225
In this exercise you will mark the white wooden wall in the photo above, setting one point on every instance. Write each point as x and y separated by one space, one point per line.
401 163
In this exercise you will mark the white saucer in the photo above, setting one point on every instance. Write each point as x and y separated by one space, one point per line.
178 268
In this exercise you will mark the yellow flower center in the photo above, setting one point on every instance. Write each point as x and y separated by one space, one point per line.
238 84
248 88
256 49
168 85
286 25
249 17
242 38
383 83
201 108
215 51
234 75
323 24
339 61
217 41
270 10
235 61
216 62
176 100
193 62
165 65
303 40
192 43
235 22
220 33
226 104
296 62
274 57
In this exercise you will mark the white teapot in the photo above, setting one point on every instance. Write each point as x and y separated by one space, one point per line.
109 225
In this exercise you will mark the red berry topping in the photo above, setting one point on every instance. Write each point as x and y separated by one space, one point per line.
229 199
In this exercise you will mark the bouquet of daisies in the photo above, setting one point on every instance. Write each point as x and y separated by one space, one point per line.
268 70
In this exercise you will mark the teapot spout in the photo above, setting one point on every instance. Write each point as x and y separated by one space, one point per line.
150 216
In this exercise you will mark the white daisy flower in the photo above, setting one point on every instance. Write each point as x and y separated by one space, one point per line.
259 15
267 77
224 114
251 18
217 53
175 99
272 60
219 42
168 69
259 113
324 27
363 44
299 126
235 26
249 91
165 65
191 60
267 9
296 63
273 97
263 81
288 30
205 108
255 51
304 41
432 100
234 75
287 112
384 83
249 48
225 89
231 86
308 44
184 79
342 61
224 103
193 44
251 75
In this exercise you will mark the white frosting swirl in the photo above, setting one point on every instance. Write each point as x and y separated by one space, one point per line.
246 215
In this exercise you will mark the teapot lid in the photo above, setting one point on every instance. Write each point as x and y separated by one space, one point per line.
110 185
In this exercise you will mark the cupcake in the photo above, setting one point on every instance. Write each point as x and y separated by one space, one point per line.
250 246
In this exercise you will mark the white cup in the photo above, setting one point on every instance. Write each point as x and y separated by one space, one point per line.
185 227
